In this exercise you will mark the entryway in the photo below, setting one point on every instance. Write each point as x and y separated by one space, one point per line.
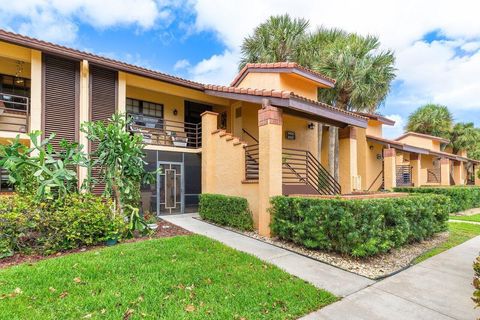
170 188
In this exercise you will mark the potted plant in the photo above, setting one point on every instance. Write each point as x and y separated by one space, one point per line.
151 221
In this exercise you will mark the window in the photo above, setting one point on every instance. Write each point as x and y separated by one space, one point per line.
145 108
14 85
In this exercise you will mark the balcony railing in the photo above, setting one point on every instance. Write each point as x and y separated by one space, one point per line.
404 176
433 175
13 113
171 133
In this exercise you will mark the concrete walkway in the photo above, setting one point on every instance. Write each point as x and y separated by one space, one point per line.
337 281
438 288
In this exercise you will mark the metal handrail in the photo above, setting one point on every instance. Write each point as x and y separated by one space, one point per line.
171 133
252 162
433 175
250 135
380 174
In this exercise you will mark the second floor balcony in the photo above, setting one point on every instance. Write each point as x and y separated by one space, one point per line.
162 132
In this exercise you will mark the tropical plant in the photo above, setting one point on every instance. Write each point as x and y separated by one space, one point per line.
432 119
118 156
464 136
51 172
280 38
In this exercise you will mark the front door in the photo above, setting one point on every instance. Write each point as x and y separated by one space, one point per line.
170 188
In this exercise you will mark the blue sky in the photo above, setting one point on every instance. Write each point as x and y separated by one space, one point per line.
438 50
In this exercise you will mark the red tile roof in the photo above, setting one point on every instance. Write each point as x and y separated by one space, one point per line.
378 117
280 65
49 47
283 94
410 133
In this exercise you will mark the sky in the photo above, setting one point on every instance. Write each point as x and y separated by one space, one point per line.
436 43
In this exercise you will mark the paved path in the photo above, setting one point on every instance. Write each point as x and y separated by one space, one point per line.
463 221
337 281
438 288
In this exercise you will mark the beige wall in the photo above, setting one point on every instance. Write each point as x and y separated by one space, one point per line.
374 128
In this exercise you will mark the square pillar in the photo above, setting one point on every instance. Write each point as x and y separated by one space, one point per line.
458 173
35 121
270 162
389 168
348 170
84 113
209 125
122 92
476 171
416 163
445 172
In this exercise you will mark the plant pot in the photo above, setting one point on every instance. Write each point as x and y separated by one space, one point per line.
112 242
152 226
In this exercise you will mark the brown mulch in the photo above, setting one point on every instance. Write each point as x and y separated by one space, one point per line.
165 230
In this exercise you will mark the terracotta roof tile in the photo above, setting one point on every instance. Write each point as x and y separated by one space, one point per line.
283 94
49 47
277 65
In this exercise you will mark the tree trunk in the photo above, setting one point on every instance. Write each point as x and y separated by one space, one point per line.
319 144
331 150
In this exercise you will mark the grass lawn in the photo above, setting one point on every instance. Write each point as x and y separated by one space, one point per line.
189 277
459 233
475 218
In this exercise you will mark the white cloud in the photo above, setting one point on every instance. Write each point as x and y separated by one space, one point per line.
217 69
57 20
181 64
391 132
427 72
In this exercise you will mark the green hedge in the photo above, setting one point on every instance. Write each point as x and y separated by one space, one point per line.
463 198
358 227
476 282
48 227
226 211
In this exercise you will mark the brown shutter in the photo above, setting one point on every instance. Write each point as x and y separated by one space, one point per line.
61 82
103 102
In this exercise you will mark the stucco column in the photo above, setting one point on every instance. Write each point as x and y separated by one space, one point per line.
36 91
270 162
415 162
209 124
389 169
122 93
348 163
84 113
476 171
444 172
458 173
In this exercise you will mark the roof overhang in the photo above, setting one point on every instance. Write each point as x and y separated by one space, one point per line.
412 149
299 107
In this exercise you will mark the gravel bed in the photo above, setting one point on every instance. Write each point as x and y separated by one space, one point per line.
375 267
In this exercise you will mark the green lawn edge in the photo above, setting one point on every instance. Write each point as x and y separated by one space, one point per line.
459 233
185 277
473 218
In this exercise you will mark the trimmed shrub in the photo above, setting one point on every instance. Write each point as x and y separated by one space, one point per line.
226 211
476 282
47 227
463 198
358 227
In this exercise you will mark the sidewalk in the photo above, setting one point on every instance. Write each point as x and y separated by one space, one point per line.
438 288
337 281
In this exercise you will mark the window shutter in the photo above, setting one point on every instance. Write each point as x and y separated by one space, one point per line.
103 103
60 98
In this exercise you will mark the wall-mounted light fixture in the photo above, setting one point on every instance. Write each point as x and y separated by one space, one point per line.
371 147
175 112
311 126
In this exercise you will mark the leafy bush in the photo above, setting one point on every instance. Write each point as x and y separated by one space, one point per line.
47 227
476 282
226 211
358 227
463 198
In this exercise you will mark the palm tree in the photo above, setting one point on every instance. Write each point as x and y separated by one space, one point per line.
464 136
432 119
278 39
363 72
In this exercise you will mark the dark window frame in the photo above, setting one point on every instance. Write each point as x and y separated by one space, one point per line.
141 106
